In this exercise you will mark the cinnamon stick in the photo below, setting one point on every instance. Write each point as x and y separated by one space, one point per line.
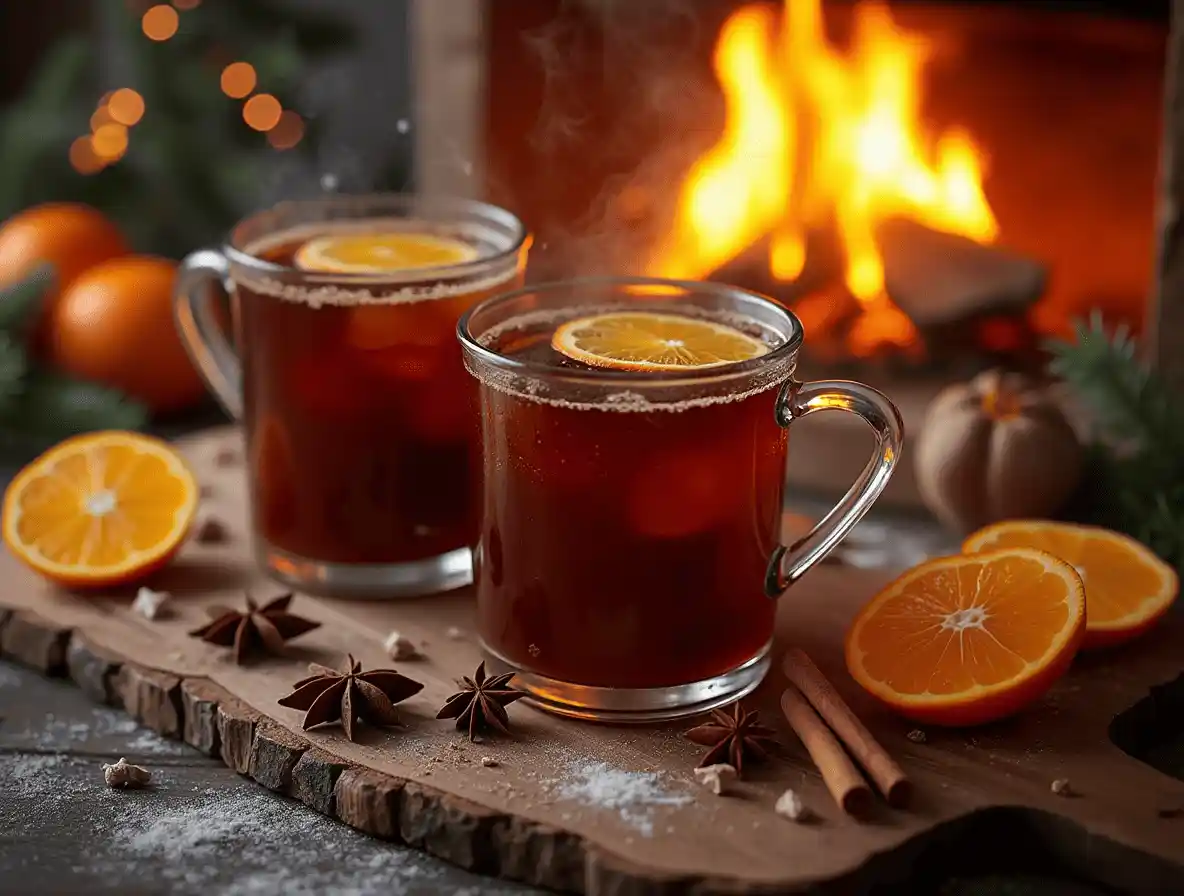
842 779
889 777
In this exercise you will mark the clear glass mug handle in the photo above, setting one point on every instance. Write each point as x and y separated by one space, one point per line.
790 562
201 330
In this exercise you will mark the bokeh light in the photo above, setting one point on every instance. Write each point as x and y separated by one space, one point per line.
160 22
262 112
126 106
110 141
287 132
83 158
238 79
100 117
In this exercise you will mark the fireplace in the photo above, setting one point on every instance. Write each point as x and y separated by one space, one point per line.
933 187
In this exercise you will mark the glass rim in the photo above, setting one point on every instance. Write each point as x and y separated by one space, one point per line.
786 351
466 208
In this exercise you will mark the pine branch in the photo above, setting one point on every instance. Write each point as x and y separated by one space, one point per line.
192 166
38 126
13 367
317 33
1134 482
20 301
1131 406
54 406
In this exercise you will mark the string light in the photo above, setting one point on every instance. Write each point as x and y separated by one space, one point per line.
160 22
287 132
100 117
110 141
126 106
121 109
118 110
262 112
238 79
83 158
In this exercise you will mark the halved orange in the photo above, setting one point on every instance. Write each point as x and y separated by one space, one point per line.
654 341
969 639
100 509
381 252
1127 588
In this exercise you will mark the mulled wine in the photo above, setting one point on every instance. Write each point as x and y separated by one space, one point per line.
362 426
634 441
626 546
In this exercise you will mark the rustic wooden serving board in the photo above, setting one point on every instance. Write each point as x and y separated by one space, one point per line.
545 813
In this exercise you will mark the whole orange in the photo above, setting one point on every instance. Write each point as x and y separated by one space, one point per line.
114 325
69 236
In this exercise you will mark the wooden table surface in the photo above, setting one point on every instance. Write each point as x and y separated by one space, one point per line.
205 830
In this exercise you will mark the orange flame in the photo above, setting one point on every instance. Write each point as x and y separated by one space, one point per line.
812 134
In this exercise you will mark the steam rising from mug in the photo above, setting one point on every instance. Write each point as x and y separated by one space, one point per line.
648 55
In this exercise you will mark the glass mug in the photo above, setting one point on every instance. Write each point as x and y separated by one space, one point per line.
360 419
628 563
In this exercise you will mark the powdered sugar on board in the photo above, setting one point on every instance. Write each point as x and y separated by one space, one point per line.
99 724
631 795
257 828
231 840
40 778
200 830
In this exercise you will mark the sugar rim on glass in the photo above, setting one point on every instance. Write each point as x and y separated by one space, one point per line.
413 285
523 379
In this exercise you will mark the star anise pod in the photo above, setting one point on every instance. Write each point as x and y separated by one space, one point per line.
733 737
481 703
345 696
261 629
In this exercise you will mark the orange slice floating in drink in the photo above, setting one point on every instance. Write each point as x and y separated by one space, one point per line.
969 639
1127 588
100 509
654 341
381 253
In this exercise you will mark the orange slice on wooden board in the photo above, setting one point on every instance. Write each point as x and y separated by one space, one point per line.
1127 588
969 639
381 253
653 341
100 509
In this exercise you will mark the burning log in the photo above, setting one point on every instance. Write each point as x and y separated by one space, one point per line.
949 300
941 280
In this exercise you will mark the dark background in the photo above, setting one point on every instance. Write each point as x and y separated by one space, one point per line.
380 64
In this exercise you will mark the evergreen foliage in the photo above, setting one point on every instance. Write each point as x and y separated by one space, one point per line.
1134 481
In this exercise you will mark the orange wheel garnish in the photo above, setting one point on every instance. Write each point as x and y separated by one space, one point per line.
969 639
100 509
381 253
1127 588
654 341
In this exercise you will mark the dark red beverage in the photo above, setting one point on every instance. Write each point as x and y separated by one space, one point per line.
361 425
626 529
361 421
